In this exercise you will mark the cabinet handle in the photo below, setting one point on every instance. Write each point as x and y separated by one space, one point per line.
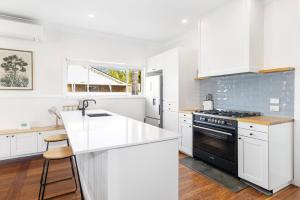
12 136
240 138
7 136
251 126
251 134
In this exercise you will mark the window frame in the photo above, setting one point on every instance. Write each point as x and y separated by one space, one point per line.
90 64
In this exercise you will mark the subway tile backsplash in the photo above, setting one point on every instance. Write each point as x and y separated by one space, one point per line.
252 92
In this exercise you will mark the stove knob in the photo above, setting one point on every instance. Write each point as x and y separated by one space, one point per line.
222 122
216 121
219 121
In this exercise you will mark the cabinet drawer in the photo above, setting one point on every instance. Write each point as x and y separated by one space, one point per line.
185 120
185 115
253 127
253 134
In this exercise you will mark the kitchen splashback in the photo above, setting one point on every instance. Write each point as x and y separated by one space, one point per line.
252 92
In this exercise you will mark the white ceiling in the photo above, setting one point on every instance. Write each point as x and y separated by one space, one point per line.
156 20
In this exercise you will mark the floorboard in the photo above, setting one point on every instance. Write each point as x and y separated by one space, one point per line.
19 180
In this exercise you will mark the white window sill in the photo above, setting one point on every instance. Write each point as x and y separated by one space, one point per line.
104 96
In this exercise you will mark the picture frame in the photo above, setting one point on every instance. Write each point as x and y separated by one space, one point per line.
16 69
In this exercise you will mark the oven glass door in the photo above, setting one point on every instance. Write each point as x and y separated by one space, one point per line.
217 141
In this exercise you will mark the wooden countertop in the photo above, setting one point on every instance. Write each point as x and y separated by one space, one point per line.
266 120
188 111
33 129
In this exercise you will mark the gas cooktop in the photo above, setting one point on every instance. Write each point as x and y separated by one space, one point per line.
228 113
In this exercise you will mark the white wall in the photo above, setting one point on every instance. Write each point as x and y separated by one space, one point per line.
49 68
282 48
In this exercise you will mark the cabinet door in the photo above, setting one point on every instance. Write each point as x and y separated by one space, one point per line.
23 144
253 161
4 146
155 63
186 131
42 144
170 121
170 76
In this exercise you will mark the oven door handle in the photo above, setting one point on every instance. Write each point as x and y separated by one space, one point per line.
208 129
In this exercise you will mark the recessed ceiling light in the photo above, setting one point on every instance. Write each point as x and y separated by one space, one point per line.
91 15
184 21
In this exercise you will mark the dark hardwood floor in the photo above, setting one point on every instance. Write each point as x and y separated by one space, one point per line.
19 180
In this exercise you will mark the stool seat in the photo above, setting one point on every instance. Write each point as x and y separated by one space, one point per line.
58 153
56 138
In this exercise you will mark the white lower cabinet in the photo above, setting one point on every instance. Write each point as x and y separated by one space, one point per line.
265 154
41 144
23 144
16 145
4 146
186 132
253 160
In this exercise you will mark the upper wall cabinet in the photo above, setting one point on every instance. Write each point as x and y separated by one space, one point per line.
232 39
155 63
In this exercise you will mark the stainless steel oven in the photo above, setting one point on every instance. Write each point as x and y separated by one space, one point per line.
215 141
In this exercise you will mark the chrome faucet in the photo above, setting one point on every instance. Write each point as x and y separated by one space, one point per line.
85 104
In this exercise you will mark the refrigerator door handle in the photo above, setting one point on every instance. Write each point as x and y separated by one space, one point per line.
159 109
153 102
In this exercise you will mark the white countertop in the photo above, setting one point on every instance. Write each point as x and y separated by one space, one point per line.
91 134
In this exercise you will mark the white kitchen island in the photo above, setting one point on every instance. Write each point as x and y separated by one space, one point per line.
120 158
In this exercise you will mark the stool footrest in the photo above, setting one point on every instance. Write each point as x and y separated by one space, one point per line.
60 180
59 195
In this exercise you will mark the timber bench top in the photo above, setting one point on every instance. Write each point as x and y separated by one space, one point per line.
266 120
33 129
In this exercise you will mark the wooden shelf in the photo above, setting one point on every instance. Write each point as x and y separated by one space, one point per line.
200 78
276 70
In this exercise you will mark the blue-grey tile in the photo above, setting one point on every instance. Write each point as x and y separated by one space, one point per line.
252 92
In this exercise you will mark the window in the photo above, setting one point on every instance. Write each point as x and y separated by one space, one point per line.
104 79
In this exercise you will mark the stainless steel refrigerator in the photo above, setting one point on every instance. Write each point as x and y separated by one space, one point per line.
153 94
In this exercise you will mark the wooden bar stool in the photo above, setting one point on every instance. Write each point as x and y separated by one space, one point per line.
58 154
56 138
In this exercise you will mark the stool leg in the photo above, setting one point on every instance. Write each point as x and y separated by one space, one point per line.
45 180
42 178
68 143
72 166
81 193
47 146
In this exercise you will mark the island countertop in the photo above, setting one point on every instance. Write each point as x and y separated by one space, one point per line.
91 134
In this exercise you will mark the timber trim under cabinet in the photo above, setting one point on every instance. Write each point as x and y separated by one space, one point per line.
275 70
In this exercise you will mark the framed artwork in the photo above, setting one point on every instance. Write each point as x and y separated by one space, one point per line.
16 69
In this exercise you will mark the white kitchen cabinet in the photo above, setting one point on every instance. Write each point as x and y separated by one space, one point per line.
171 76
170 120
4 146
180 88
186 133
253 160
155 63
265 154
22 144
231 39
42 144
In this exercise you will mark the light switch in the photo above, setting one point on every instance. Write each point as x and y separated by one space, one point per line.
274 101
274 108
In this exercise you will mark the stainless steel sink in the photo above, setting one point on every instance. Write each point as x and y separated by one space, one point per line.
99 115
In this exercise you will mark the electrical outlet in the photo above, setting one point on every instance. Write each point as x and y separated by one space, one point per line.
274 108
274 101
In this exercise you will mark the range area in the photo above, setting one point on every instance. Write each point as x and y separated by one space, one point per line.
215 134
